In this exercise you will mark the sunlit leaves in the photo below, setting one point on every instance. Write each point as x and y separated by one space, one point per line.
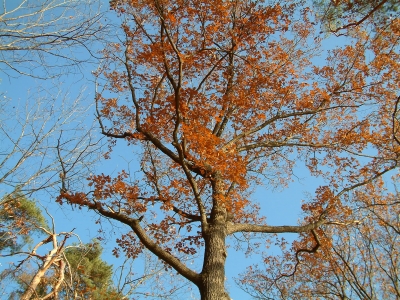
231 88
220 96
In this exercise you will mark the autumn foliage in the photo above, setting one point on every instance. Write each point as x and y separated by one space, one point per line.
220 96
352 262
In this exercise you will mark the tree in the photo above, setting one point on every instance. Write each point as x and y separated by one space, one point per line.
45 39
89 277
20 218
222 96
51 262
340 16
45 136
41 144
358 262
46 34
68 271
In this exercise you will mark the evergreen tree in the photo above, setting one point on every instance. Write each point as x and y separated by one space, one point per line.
338 16
19 219
91 276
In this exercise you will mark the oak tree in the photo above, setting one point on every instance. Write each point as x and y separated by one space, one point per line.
219 97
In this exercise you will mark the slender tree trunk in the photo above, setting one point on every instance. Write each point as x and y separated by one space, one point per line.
50 258
54 293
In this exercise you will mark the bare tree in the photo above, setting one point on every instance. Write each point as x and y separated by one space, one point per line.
47 34
46 137
43 140
53 261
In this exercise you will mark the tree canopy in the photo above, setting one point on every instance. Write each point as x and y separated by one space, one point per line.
223 96
217 100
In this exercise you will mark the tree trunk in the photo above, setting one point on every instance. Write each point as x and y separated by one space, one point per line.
212 285
50 258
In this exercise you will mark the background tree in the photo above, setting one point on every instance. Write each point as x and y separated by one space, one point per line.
41 144
44 136
223 96
340 16
38 37
50 262
89 277
43 39
19 219
358 262
67 271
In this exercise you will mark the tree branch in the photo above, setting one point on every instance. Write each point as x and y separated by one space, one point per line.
146 240
353 24
240 227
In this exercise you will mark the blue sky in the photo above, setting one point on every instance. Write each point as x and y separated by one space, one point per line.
280 206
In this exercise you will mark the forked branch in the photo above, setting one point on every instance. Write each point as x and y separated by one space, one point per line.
134 224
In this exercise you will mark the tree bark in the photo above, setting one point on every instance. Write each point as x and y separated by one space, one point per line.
212 283
50 259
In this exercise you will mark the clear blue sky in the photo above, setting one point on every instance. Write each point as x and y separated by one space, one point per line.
281 207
